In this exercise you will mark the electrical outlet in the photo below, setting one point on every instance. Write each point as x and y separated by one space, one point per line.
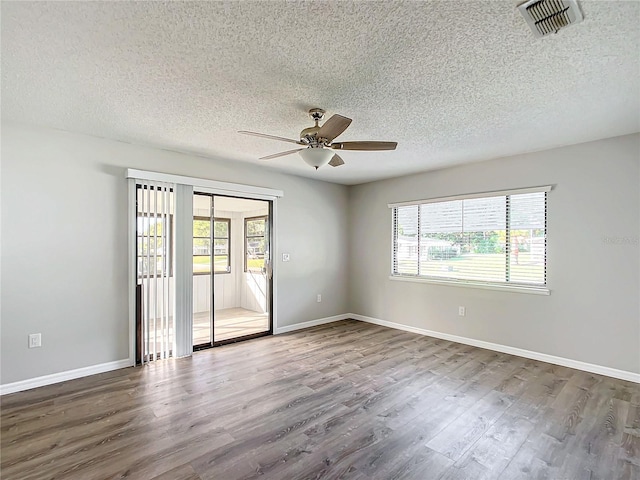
286 257
35 340
319 298
462 311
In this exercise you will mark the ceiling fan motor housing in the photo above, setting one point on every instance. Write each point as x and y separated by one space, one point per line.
310 135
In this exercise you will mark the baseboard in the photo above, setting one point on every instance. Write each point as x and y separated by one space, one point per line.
63 376
543 357
311 323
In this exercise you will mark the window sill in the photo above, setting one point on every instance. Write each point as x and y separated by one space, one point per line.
532 290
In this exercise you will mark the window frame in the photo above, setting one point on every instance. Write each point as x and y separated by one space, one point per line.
227 238
246 237
540 289
168 271
213 238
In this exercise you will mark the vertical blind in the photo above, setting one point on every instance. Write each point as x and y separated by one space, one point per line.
497 238
155 253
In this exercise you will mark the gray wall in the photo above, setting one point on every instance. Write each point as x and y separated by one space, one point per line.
64 245
593 312
64 250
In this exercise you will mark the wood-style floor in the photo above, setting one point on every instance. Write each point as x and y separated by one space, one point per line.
346 400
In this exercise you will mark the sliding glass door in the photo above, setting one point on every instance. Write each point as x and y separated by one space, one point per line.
231 269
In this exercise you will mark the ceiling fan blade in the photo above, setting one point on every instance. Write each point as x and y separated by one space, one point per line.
333 127
336 161
281 154
370 146
272 137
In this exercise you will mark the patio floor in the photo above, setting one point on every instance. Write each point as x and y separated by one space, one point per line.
229 323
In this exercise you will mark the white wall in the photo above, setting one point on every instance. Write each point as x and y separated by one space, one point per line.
64 245
593 312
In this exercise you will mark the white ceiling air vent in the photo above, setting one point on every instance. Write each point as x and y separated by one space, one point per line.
548 16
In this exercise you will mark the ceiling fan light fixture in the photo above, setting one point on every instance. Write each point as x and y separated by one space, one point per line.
316 157
319 141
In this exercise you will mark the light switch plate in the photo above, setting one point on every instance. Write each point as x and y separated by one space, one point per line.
286 257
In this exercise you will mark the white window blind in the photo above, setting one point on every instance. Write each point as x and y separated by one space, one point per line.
155 248
493 239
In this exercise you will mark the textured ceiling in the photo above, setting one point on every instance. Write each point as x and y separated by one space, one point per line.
451 81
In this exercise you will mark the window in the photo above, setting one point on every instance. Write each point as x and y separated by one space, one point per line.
255 231
202 245
221 245
150 229
495 239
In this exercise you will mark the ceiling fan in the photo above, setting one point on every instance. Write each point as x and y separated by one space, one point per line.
318 141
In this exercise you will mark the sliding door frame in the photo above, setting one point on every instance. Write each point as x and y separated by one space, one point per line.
270 281
205 186
211 219
132 218
271 201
